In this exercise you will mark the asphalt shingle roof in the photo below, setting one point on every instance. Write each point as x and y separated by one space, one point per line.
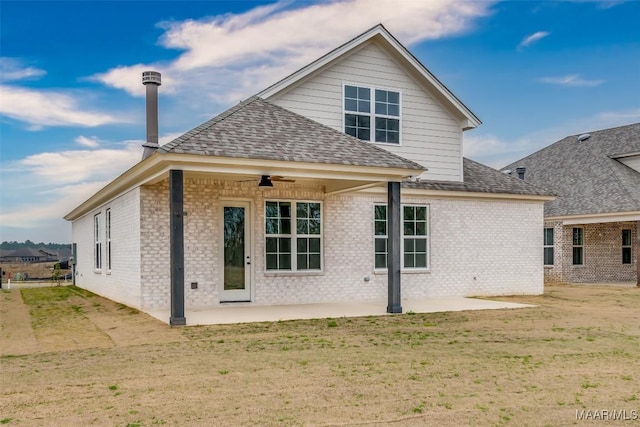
258 129
584 175
479 178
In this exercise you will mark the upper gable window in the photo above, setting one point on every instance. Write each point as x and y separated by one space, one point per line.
375 120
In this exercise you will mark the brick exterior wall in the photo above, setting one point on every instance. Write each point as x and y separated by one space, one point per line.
602 254
477 247
122 283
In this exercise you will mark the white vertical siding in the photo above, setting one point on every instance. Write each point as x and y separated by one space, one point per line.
430 135
122 283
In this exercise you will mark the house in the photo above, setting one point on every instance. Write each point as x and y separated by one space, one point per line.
591 230
312 191
27 254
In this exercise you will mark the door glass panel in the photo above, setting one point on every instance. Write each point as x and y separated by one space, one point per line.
234 256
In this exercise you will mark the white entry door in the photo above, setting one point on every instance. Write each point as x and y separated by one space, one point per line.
236 259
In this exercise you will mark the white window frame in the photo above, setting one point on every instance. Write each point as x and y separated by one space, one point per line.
372 114
97 242
628 247
546 245
107 217
294 238
574 246
426 237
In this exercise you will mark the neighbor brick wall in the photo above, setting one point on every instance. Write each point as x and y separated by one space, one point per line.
478 247
602 254
122 283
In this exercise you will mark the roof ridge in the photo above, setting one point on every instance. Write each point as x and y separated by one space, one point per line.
208 124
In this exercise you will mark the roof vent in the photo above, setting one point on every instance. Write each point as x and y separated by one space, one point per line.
584 137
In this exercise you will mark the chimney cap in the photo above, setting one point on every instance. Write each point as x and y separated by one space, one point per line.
152 77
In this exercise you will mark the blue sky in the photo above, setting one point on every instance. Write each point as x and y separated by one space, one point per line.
72 105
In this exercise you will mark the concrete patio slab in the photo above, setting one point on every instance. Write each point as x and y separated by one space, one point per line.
246 313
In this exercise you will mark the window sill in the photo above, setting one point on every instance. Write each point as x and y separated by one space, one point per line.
392 144
549 267
108 273
412 271
97 271
293 273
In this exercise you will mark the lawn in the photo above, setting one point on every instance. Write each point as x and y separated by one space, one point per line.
69 357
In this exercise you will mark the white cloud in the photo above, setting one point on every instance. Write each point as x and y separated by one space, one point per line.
64 167
13 69
46 186
571 80
90 142
236 55
42 108
532 38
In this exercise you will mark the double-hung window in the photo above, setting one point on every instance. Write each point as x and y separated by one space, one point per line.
97 240
414 237
372 114
578 246
293 233
626 246
548 246
108 227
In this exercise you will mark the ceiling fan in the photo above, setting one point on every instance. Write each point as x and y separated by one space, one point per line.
268 180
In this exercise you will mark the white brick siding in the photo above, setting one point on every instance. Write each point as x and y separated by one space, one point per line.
477 247
122 283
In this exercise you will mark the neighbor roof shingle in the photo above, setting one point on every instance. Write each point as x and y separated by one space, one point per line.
583 174
257 129
479 178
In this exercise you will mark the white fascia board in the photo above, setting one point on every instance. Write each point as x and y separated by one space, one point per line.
470 121
596 218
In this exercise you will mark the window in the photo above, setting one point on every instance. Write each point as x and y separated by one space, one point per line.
548 246
361 113
297 248
578 246
97 239
626 246
414 237
108 226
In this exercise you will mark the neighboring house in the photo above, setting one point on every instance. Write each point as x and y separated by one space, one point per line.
27 255
591 230
312 191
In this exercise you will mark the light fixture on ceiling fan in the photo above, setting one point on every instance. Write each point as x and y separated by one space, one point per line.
267 180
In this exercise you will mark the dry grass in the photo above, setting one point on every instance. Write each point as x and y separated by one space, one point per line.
578 350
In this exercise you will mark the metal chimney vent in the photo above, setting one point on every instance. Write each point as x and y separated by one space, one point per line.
521 172
151 80
151 77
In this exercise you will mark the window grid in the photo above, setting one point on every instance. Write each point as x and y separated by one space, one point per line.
360 111
108 227
97 240
306 253
414 237
578 246
626 246
548 246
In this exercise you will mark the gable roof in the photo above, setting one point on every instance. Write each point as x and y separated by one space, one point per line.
479 178
258 129
584 174
381 35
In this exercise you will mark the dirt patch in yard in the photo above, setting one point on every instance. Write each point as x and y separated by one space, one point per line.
576 352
